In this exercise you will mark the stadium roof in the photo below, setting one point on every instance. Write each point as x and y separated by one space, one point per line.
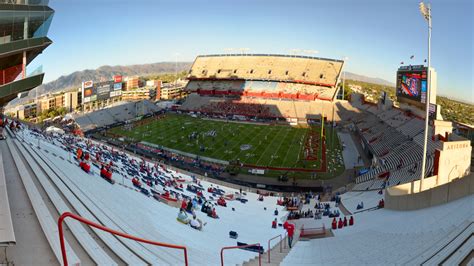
275 55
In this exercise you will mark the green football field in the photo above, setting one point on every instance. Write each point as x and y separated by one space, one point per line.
261 145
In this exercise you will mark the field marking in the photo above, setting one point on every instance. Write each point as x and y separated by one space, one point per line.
263 153
281 143
296 133
249 132
254 147
164 130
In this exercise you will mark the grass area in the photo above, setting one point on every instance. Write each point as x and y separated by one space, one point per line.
268 145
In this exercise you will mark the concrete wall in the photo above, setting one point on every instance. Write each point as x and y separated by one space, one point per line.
454 160
408 196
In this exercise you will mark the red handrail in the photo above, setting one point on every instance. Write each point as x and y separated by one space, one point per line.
281 239
101 227
245 246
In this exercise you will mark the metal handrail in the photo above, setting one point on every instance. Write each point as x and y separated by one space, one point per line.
245 246
101 227
281 239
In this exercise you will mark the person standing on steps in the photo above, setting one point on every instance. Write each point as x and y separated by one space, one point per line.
290 229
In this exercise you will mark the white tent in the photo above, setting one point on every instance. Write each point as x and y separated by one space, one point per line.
67 117
52 129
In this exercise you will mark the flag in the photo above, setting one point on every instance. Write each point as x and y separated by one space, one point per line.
411 57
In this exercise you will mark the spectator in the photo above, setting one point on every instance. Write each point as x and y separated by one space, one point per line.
195 223
290 229
183 217
274 223
214 213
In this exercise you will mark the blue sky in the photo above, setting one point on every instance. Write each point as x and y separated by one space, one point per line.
376 35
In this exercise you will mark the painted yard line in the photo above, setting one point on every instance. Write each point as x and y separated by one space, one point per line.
218 149
267 143
277 150
296 133
272 141
295 149
254 147
249 133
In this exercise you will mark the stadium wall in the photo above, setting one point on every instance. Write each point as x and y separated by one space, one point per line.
190 155
408 197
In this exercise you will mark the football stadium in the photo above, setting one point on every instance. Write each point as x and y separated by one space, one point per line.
258 159
285 135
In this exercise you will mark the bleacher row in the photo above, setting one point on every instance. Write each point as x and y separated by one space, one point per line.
117 113
123 208
276 108
301 69
404 175
440 235
260 89
396 139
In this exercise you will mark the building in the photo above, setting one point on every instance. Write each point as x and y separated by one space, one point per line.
157 85
50 101
138 94
72 100
25 111
133 82
170 92
22 38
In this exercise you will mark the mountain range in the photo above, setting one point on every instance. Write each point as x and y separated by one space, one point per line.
357 77
106 72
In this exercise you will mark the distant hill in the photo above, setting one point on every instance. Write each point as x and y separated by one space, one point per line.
357 77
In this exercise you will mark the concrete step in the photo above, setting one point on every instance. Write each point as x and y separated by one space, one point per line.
276 257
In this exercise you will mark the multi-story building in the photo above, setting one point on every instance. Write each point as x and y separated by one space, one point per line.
133 82
157 85
72 100
145 93
26 111
170 92
47 102
24 25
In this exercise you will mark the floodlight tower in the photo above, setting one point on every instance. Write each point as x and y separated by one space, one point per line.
310 52
426 13
176 70
295 51
244 50
345 58
229 50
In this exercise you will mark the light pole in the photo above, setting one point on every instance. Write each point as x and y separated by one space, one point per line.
426 12
344 76
176 70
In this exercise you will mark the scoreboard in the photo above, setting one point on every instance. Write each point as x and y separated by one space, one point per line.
412 83
96 91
